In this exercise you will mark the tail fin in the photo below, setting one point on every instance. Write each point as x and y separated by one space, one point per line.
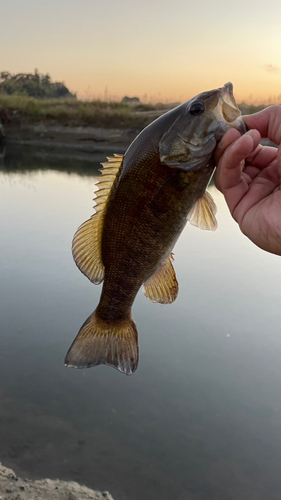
102 342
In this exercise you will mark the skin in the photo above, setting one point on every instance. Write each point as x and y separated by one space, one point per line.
249 176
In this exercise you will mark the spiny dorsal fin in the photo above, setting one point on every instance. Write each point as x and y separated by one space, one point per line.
203 213
86 245
162 286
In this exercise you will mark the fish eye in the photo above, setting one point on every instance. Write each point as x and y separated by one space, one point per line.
197 108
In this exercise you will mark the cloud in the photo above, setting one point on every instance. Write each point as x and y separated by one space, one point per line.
271 68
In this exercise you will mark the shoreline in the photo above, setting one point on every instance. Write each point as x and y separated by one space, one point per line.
69 140
83 139
13 487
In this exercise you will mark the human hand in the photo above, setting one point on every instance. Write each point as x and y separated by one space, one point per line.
249 176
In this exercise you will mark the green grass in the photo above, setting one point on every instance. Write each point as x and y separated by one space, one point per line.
249 109
72 112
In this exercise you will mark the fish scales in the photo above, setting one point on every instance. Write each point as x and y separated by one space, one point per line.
159 183
147 241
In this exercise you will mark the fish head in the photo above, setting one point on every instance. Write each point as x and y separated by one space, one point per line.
201 122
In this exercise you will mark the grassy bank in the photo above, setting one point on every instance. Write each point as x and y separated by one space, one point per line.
74 113
71 112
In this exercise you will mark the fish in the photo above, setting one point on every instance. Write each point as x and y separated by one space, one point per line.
144 200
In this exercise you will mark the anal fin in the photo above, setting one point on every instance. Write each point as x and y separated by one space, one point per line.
203 213
162 286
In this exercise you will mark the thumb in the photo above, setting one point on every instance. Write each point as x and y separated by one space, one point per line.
231 164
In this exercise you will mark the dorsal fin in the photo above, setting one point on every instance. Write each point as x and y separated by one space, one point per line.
86 244
203 213
162 286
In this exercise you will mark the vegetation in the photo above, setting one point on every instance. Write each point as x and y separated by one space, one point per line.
32 85
72 112
34 98
249 109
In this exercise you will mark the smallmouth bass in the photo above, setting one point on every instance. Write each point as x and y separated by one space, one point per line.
142 205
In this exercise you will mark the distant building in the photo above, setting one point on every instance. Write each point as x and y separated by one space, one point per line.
131 100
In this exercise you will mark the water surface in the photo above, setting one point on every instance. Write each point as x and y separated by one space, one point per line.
201 417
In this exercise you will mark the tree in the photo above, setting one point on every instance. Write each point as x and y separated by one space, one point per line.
33 85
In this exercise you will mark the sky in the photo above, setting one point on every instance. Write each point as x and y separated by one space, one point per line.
157 50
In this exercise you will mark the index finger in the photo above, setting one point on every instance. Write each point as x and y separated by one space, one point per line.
267 122
228 138
229 171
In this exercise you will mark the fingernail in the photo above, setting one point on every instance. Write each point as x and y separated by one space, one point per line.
251 132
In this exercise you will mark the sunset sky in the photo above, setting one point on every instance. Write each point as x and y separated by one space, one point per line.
157 50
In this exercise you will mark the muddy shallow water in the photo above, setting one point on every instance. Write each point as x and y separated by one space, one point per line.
201 417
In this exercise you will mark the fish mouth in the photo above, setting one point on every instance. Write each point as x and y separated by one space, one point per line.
230 110
229 106
227 113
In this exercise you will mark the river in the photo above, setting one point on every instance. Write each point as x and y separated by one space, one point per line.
201 417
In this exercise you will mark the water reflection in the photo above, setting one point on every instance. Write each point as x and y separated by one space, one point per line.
200 419
27 159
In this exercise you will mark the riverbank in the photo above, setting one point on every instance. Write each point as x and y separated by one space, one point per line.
15 488
81 139
21 110
77 127
68 123
64 142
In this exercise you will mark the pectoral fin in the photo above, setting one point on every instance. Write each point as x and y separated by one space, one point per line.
162 286
86 245
203 213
